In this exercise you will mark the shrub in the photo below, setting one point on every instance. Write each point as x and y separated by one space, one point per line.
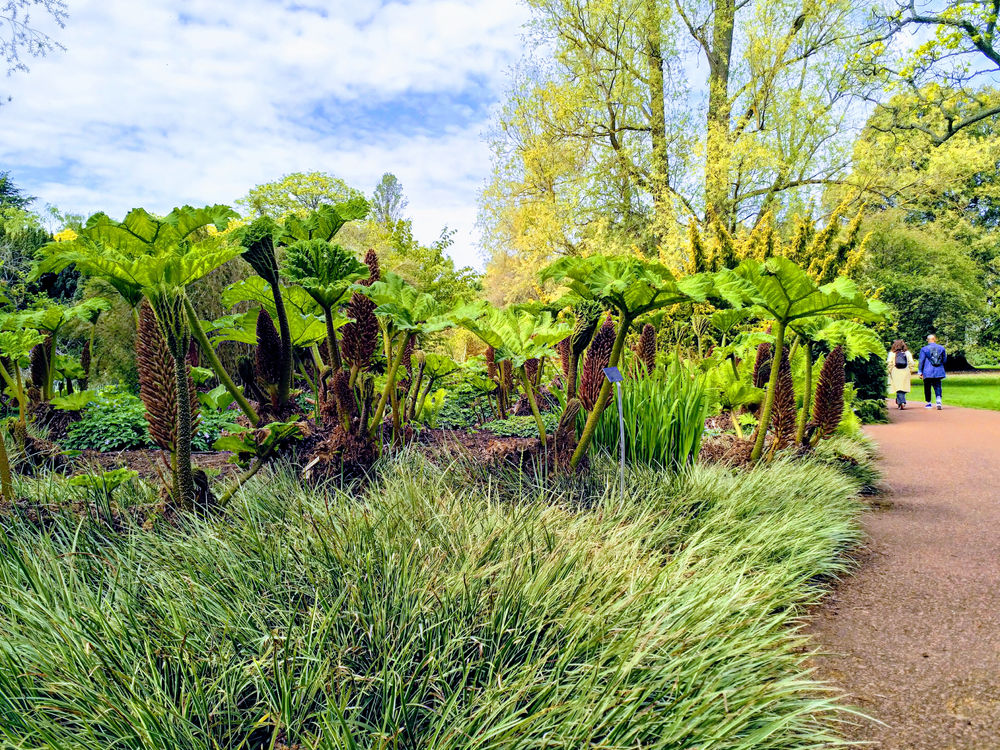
115 421
433 613
524 427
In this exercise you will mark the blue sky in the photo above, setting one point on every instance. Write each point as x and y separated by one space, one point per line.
197 101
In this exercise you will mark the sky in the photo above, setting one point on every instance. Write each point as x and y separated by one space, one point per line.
164 102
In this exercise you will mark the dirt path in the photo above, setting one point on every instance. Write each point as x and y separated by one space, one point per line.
914 636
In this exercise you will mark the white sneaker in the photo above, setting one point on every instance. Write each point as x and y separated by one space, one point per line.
939 404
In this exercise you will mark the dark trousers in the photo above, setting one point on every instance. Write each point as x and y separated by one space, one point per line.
934 383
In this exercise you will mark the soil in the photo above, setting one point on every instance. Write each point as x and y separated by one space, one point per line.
147 462
913 636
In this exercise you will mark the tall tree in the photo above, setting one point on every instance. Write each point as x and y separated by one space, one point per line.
388 202
297 194
952 75
605 126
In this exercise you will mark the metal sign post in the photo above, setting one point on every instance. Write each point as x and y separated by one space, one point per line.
613 374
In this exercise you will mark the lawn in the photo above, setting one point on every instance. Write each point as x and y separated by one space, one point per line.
979 390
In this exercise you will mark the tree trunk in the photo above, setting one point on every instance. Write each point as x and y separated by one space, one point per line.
660 165
717 151
182 450
772 384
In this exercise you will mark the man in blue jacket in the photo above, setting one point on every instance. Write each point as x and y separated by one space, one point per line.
931 369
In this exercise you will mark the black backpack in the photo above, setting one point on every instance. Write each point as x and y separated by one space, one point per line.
901 362
936 356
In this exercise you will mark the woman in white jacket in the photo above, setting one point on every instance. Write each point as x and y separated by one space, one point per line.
900 363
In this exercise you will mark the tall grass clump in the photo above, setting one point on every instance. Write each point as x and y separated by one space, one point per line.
427 613
664 414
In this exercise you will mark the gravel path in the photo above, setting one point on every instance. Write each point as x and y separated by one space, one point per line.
914 636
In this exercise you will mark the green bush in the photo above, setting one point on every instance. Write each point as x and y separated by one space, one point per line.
115 421
434 614
664 418
524 427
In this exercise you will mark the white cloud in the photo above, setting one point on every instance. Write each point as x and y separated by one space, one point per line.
145 108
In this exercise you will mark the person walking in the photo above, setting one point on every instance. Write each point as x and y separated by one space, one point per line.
900 363
931 368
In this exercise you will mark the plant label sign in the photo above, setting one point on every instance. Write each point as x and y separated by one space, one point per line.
613 374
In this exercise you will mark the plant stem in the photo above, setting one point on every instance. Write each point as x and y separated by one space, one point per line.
185 480
216 363
423 397
534 405
6 481
50 370
285 378
602 398
245 477
331 339
807 396
734 418
772 384
390 384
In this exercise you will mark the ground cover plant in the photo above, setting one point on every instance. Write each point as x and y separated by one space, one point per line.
426 612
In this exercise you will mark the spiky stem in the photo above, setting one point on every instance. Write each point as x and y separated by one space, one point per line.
216 363
765 416
602 398
6 481
185 480
807 396
390 383
331 340
534 405
285 381
51 369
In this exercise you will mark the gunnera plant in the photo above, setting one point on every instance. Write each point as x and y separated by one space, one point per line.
268 356
564 348
828 407
588 315
645 347
762 365
598 357
784 413
157 382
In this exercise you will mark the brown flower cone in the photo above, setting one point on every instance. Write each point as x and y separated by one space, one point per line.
588 315
784 412
762 365
268 355
564 440
85 361
374 272
491 364
565 350
531 368
359 337
41 356
598 357
157 383
828 407
645 347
